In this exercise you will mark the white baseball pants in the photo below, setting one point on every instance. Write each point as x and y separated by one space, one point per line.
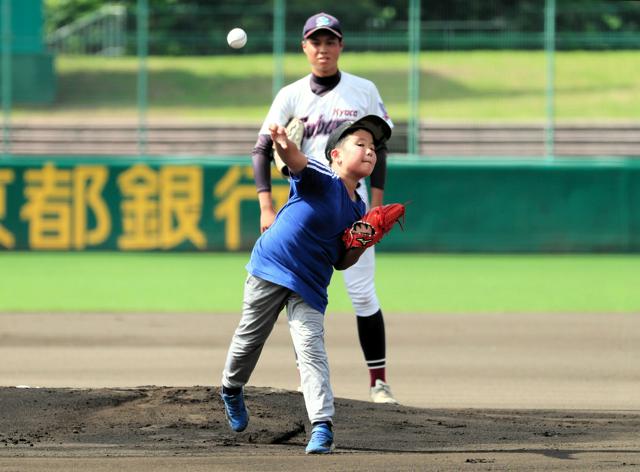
359 278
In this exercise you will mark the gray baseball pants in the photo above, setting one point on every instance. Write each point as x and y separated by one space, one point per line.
263 302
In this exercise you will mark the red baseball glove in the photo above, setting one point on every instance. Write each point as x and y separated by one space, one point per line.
373 226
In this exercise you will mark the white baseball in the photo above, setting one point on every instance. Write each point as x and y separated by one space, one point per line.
237 38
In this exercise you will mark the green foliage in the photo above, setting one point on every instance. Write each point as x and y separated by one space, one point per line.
196 27
58 13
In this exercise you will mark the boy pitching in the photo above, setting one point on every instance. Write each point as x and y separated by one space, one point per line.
322 100
291 265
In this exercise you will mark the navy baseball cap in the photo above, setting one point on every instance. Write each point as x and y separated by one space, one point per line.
321 21
375 125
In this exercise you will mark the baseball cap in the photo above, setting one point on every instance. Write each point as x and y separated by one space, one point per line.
375 125
321 21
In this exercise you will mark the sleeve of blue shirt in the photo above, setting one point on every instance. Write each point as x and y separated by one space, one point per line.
313 178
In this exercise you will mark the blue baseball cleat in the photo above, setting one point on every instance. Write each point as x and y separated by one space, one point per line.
321 441
236 411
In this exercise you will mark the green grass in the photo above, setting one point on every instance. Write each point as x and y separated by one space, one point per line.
456 86
420 283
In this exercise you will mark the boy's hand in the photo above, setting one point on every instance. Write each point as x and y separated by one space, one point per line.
295 133
287 150
279 135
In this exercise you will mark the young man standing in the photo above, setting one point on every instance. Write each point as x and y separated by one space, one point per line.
322 101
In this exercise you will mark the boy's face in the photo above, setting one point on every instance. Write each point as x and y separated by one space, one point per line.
323 50
356 156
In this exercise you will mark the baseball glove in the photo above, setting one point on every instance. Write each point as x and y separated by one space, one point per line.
295 131
373 226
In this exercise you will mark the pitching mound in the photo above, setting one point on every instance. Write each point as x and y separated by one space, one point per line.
153 420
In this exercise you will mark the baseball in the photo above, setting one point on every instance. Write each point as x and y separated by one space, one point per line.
237 38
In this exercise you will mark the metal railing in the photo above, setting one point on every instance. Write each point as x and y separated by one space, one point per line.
104 32
100 32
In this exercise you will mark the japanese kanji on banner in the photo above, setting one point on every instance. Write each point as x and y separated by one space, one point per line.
141 206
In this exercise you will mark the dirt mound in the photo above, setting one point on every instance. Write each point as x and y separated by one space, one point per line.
152 420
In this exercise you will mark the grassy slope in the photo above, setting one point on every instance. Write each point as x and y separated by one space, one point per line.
476 85
173 282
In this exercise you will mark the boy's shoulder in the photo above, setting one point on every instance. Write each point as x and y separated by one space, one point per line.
314 166
318 176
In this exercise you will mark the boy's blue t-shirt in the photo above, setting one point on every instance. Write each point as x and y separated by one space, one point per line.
300 248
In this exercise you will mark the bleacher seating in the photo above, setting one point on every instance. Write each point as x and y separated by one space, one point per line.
436 140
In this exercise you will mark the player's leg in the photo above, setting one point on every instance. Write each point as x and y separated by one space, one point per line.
262 303
359 280
306 326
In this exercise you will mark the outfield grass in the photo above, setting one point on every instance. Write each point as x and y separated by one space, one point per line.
420 283
456 86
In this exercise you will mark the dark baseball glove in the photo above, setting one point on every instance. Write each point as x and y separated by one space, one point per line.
373 226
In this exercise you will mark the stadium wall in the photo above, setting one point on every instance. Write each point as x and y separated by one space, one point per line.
182 204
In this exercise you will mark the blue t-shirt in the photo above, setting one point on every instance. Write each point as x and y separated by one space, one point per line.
300 248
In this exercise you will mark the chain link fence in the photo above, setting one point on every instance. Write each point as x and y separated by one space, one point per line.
157 78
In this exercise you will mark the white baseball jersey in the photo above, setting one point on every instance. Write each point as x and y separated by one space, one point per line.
353 98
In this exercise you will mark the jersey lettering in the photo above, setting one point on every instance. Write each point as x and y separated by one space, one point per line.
320 127
351 114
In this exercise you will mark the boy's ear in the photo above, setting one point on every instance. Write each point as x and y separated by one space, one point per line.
334 154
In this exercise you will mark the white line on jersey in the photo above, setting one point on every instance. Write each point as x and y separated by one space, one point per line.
321 168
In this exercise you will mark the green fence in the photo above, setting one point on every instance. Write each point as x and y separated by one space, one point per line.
62 204
525 207
157 61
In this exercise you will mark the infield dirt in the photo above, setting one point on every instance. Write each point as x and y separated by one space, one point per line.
188 422
500 392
